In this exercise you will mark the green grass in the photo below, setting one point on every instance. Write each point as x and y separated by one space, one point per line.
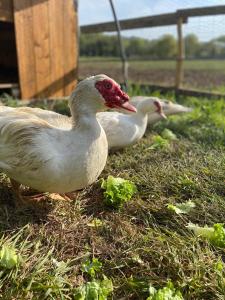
197 64
144 242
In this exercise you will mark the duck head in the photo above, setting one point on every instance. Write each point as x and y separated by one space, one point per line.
151 105
112 94
101 91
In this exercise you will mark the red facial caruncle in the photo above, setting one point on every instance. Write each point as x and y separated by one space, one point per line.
113 95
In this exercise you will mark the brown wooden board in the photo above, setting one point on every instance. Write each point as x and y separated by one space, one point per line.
25 47
202 11
46 47
149 88
56 38
143 22
180 54
154 21
70 43
41 37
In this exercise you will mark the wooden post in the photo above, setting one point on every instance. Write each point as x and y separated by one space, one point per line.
180 54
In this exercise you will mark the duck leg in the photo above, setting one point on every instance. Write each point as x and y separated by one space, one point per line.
70 196
16 189
64 196
24 199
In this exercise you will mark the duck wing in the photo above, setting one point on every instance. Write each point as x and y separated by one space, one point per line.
53 118
19 149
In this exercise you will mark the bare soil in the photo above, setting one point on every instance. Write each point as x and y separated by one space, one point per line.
199 79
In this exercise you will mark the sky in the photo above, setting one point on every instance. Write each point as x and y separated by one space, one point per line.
206 28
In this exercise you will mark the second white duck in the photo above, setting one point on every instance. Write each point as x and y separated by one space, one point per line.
169 108
123 130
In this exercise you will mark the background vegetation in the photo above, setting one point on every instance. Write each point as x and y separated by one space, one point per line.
164 47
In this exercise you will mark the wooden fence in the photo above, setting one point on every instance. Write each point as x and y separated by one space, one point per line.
178 18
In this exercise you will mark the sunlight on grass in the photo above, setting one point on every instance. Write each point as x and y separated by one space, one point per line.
83 250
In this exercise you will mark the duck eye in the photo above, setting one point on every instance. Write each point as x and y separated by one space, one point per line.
108 85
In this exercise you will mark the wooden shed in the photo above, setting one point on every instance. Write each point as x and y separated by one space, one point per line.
38 47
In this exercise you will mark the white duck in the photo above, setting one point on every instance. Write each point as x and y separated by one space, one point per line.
62 158
168 107
121 129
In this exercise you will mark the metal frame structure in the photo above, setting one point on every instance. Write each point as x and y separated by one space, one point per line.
178 18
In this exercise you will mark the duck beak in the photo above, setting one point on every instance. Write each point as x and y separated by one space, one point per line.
123 101
128 106
120 100
121 104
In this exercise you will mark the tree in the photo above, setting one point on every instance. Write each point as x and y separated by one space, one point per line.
191 45
165 47
137 46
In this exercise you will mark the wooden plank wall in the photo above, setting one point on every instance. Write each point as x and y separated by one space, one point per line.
70 39
46 37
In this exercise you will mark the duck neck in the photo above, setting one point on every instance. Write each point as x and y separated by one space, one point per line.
83 113
139 118
145 107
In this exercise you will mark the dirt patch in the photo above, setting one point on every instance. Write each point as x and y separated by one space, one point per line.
204 79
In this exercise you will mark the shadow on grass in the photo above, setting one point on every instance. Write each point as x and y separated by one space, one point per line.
94 202
12 217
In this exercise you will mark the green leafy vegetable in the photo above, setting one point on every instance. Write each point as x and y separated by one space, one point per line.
166 293
138 284
136 259
117 191
219 266
90 267
94 290
181 208
163 140
215 234
168 135
8 257
159 143
95 223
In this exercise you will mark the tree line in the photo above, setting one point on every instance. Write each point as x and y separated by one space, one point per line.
164 47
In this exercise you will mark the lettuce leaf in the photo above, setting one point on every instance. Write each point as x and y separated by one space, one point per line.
168 134
117 191
181 208
159 143
8 257
94 290
215 235
95 223
90 267
166 293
